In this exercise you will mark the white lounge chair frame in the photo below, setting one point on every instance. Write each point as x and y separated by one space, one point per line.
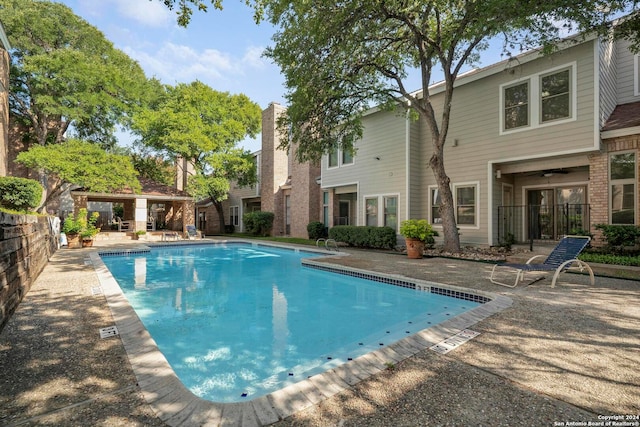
550 264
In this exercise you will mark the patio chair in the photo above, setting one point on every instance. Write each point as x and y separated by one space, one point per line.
562 258
191 232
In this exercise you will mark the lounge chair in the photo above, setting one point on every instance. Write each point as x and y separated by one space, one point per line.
191 232
563 256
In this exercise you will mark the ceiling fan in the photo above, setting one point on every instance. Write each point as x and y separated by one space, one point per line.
550 172
547 173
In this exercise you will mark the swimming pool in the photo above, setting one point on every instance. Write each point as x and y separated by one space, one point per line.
239 321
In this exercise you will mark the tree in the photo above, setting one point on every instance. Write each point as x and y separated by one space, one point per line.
340 59
66 78
76 162
196 123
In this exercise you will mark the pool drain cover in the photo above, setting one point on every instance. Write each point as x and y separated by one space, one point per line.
111 331
455 341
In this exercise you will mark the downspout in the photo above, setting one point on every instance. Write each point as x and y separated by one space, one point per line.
408 161
490 207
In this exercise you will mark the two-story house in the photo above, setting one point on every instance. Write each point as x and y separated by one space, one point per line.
538 147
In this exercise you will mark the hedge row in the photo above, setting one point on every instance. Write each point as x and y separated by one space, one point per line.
620 236
364 236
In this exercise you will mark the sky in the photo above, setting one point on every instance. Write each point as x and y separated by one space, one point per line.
223 49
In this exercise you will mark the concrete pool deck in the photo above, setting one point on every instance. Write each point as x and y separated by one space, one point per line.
555 355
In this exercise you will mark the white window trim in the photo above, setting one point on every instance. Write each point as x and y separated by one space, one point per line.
475 184
502 105
380 198
340 163
535 102
231 216
430 207
636 75
625 181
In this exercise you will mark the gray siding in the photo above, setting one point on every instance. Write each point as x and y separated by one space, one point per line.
383 138
608 79
626 69
476 125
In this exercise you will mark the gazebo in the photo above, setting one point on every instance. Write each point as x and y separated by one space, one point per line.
157 204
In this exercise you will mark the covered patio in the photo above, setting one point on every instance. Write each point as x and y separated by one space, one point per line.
157 207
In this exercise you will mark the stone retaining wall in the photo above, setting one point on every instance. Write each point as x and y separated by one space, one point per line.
26 243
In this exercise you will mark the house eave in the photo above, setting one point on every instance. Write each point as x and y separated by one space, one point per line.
617 133
130 196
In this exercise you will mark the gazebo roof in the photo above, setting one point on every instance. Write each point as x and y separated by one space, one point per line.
150 190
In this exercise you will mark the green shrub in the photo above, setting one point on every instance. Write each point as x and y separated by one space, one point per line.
258 223
620 236
316 230
602 258
83 224
19 194
364 236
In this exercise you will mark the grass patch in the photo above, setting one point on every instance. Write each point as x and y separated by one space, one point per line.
292 240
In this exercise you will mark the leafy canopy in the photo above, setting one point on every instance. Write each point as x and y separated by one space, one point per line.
204 126
84 164
66 76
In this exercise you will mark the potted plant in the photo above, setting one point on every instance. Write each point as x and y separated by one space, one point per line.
139 235
90 230
417 234
72 228
81 228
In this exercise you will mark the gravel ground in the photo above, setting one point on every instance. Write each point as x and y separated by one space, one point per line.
567 354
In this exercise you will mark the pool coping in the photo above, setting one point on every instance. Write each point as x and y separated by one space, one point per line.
177 406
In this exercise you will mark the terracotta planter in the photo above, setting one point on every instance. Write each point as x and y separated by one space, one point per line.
73 241
87 243
415 248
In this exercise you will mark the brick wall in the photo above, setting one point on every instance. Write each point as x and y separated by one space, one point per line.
599 181
26 243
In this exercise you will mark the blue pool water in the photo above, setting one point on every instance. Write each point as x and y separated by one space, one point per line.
239 321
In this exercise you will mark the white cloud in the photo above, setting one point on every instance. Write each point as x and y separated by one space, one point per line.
145 12
253 57
174 63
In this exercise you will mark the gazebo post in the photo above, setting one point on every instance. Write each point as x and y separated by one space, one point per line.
141 215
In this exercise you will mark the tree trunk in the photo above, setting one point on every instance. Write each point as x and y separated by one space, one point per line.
436 162
220 212
447 211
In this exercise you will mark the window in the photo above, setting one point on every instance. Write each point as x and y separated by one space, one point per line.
337 158
622 181
435 202
372 211
333 158
391 212
636 75
287 214
541 99
234 214
325 208
466 204
555 96
516 106
347 157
